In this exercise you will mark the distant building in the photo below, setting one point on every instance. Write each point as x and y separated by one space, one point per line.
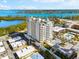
75 26
40 29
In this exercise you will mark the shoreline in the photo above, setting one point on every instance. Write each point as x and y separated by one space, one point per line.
13 28
9 18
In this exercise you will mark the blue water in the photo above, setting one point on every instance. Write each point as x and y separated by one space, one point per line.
15 13
9 23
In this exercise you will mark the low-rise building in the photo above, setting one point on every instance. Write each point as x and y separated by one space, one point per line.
69 36
76 47
65 51
25 52
2 49
1 44
53 42
14 39
67 46
18 44
6 57
58 31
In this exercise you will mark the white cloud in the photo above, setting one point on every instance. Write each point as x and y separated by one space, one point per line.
4 6
61 4
68 4
7 7
48 0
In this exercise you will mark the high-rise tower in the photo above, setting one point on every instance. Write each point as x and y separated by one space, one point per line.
40 29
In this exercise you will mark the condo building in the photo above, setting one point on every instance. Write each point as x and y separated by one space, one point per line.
49 33
40 29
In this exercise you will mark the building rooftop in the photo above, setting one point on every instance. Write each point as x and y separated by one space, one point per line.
18 44
58 29
6 57
2 49
66 51
73 30
28 58
76 47
14 39
25 51
53 42
11 40
67 46
1 44
68 36
17 38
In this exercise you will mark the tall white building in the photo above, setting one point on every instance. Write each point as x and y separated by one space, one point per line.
49 33
29 21
40 29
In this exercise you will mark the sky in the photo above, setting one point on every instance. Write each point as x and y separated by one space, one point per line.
39 4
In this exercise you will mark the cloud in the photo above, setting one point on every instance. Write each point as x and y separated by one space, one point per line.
48 1
4 6
39 4
69 4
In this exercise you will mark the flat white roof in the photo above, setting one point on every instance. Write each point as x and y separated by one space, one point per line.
1 43
6 57
25 51
17 38
28 58
18 43
74 30
11 40
53 42
2 49
68 36
57 29
14 39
